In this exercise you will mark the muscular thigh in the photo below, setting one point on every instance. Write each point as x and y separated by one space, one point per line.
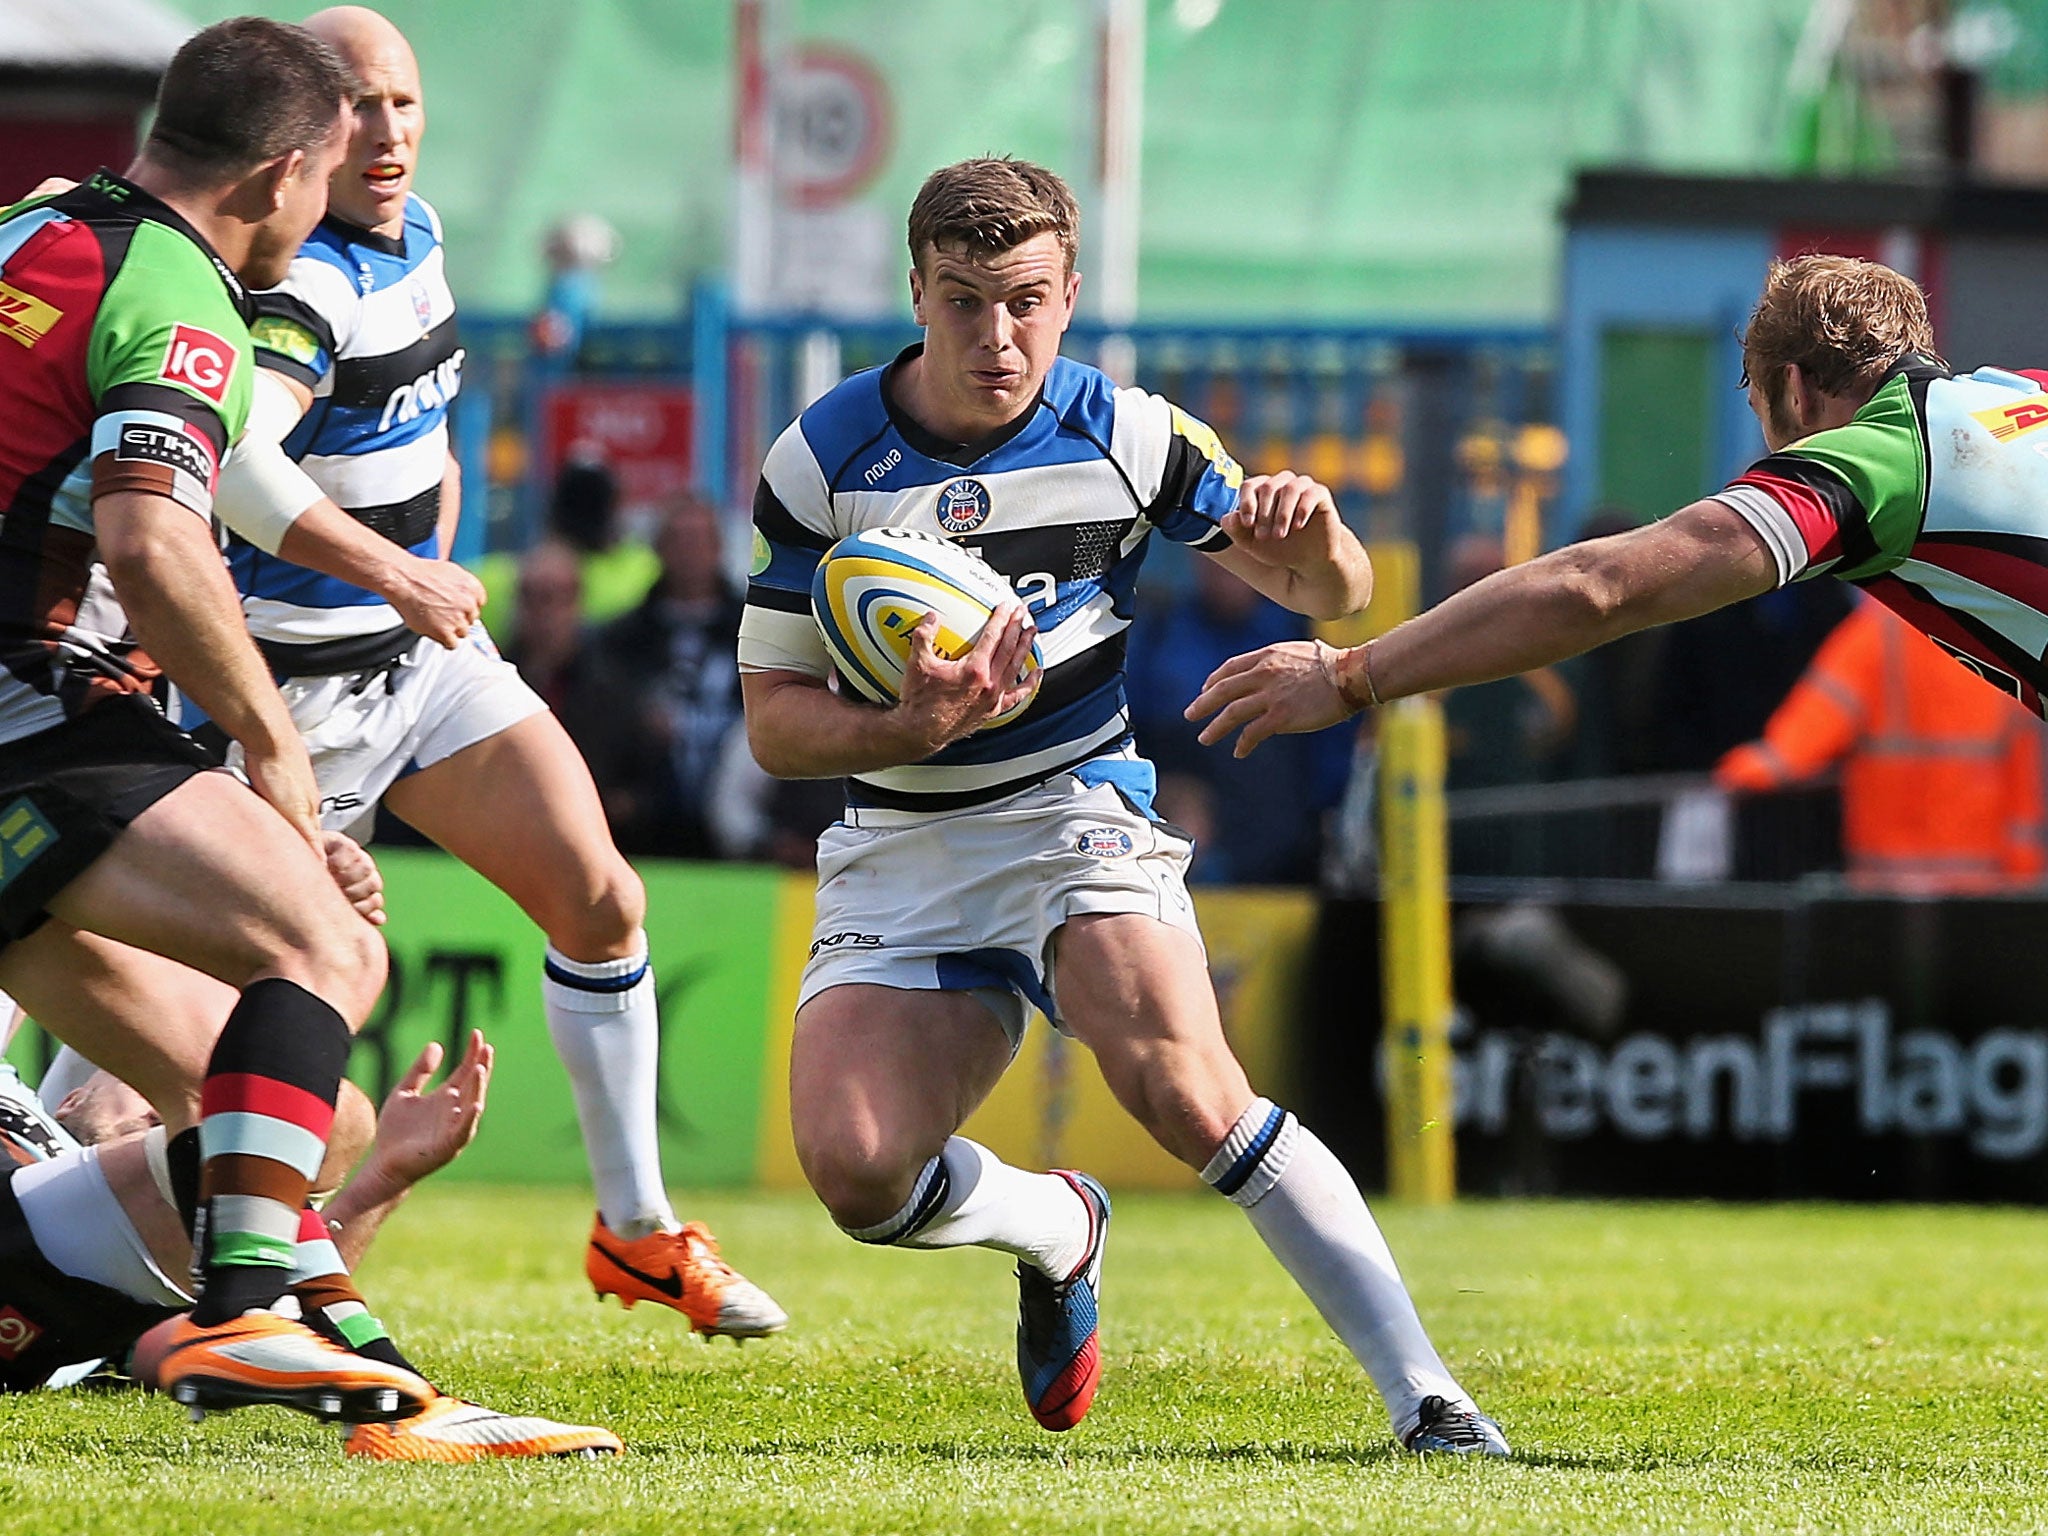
1137 993
886 1073
520 809
212 877
149 1021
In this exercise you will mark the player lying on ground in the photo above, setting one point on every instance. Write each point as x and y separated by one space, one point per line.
97 1107
979 872
128 378
91 1241
1922 486
343 487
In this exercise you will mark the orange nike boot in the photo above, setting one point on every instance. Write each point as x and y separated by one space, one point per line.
681 1270
264 1357
449 1430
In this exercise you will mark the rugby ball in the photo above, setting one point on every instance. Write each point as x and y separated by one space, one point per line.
873 587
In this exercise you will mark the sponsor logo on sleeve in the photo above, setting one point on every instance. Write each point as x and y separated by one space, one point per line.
762 554
24 317
2006 422
200 361
287 338
963 506
1104 843
143 442
1203 438
17 1333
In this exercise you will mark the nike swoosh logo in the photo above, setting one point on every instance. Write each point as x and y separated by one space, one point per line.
670 1285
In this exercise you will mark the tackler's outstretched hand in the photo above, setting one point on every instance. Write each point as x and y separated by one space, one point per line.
947 700
1282 690
421 1129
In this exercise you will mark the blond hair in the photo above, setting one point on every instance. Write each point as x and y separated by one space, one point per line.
991 205
1843 320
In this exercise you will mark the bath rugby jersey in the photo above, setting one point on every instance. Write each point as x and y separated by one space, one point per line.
367 323
124 366
1934 500
1061 503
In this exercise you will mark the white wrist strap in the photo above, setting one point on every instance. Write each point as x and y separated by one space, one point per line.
262 492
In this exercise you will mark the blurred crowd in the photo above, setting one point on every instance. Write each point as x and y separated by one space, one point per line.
1929 779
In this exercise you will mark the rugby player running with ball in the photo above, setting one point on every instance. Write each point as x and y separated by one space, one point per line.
982 871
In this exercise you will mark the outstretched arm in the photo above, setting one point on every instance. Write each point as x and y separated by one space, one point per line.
418 1131
1532 615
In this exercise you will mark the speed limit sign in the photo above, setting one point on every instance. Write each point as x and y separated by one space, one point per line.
832 125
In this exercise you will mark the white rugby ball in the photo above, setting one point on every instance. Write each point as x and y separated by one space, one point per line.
873 587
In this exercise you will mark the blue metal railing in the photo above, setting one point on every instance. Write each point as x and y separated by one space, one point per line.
1416 426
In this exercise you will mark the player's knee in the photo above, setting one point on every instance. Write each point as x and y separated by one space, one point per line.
861 1181
605 922
343 962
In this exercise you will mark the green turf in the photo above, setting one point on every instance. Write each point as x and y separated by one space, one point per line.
1660 1369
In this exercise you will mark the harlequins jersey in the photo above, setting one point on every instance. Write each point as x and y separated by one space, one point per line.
1061 502
1933 499
124 366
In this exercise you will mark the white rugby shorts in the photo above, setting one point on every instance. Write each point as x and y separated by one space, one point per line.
970 900
366 730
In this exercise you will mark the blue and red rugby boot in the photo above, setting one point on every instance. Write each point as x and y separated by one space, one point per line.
1059 1353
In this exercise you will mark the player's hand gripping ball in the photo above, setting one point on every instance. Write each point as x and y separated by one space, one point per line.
871 590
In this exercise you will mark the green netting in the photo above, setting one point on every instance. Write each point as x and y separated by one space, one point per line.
1312 158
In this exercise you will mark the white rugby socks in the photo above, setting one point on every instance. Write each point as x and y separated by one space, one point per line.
968 1197
601 1016
1311 1215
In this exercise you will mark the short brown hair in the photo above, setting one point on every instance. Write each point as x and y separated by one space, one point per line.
992 205
246 91
1844 321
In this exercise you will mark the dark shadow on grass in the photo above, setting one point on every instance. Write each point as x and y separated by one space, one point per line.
1047 1452
1619 1461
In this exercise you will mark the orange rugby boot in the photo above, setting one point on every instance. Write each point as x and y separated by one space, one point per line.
264 1357
681 1270
450 1430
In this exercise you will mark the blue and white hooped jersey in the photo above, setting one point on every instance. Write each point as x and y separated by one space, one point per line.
1060 502
367 322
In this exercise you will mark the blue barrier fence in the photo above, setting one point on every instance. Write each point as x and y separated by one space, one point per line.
1425 433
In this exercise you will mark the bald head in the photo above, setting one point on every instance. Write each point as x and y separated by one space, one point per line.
371 187
355 30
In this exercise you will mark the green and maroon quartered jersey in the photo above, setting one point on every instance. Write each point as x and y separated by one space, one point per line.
1934 500
124 366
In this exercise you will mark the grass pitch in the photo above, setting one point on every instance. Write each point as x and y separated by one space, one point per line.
1659 1369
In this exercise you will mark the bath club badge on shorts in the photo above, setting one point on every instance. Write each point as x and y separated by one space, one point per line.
1104 843
963 506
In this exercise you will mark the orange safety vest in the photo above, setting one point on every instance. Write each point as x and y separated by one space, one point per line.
1941 773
